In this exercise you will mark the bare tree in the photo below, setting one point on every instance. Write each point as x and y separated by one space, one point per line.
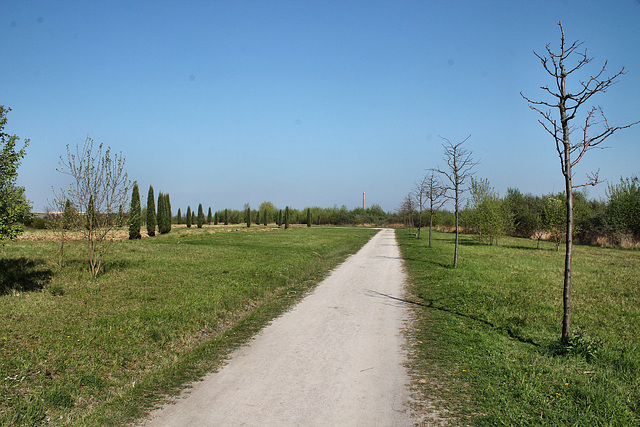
419 197
435 193
99 188
407 208
458 171
595 130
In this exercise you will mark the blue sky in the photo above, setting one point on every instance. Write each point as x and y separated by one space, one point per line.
305 103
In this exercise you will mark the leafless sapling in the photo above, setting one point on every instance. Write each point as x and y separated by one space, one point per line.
561 66
459 169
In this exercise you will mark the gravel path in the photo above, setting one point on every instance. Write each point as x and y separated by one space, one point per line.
336 359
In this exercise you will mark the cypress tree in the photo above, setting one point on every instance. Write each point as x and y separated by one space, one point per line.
286 217
247 216
264 217
200 216
135 217
209 216
188 217
160 214
215 218
226 217
280 218
179 217
167 206
193 217
308 217
151 213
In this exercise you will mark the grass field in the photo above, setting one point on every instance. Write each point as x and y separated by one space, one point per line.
488 332
166 311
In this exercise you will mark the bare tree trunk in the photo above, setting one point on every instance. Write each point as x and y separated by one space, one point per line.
455 251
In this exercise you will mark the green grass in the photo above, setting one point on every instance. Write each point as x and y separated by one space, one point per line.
166 311
488 332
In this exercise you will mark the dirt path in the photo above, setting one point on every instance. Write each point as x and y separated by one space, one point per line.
335 359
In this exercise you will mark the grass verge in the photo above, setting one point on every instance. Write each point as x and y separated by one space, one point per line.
488 332
166 311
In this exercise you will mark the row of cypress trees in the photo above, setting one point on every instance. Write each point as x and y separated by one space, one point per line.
161 218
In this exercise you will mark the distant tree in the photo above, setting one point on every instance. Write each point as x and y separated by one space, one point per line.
14 206
215 218
280 218
135 218
308 217
194 219
435 194
264 218
568 103
164 213
167 206
160 213
247 215
179 217
459 169
286 217
554 218
623 207
209 216
489 215
151 213
201 218
258 217
188 217
226 217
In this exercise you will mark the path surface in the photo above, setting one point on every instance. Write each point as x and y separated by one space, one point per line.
335 359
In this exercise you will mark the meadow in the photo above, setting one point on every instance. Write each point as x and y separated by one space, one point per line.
487 337
165 311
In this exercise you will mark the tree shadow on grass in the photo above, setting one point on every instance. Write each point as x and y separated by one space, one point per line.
23 274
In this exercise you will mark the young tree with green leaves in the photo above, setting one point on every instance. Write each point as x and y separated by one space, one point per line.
200 216
151 213
135 218
188 217
13 203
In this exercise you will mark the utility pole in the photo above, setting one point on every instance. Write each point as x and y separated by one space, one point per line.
363 200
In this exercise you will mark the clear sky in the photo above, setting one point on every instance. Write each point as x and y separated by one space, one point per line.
305 103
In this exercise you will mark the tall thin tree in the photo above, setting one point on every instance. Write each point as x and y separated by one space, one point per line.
134 213
561 66
459 169
151 213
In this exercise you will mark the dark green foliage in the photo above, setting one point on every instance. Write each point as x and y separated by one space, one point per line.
188 217
264 217
215 218
209 217
226 217
193 217
247 216
164 213
200 216
135 217
258 217
308 217
14 207
286 217
280 218
151 213
179 217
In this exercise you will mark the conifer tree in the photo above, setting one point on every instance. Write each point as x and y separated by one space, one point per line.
280 218
258 217
308 217
247 216
160 213
209 216
179 217
264 217
215 218
193 217
188 217
200 216
226 217
286 217
135 217
167 206
151 213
